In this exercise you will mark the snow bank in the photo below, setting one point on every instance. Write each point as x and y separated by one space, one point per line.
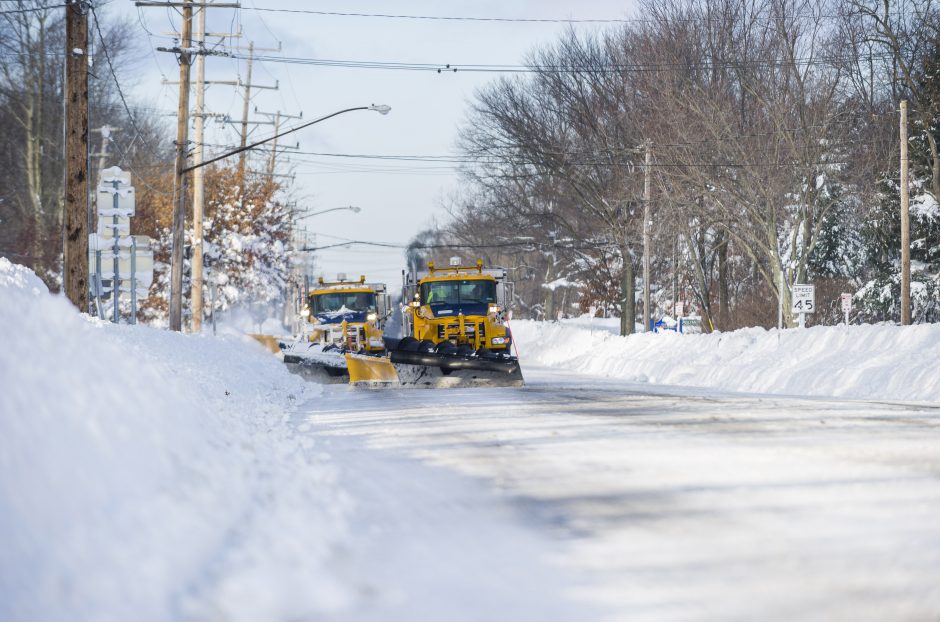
147 475
869 362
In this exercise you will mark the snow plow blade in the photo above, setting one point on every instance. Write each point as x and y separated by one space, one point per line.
435 377
432 370
370 370
315 362
268 341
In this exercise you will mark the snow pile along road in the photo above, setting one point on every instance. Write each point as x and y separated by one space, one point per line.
867 362
148 475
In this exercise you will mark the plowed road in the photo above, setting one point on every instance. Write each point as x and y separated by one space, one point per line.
579 498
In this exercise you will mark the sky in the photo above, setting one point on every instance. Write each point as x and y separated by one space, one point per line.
397 199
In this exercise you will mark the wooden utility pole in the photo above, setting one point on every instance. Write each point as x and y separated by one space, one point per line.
276 119
247 100
181 185
76 154
248 86
272 163
647 316
905 226
181 179
199 188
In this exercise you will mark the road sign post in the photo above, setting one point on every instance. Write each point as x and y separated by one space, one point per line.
846 306
131 257
804 301
115 297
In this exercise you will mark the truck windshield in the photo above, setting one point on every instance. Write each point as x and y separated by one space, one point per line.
458 292
334 301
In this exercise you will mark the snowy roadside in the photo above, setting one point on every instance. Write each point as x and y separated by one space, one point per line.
147 475
865 362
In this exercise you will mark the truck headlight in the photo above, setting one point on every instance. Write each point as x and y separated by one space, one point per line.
499 341
305 313
494 309
372 317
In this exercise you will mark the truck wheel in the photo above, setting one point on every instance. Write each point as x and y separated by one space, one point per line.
408 344
446 347
486 353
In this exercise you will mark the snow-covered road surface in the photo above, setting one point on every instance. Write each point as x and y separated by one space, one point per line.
152 476
581 498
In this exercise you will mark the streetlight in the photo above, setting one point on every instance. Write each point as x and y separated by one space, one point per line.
379 108
179 197
353 208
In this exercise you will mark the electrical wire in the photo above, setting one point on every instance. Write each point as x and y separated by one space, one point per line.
529 20
588 163
527 69
117 83
34 9
516 244
130 116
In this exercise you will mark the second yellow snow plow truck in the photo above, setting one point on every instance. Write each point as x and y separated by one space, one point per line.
455 329
340 317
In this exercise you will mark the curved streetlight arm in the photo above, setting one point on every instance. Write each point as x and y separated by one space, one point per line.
353 208
380 108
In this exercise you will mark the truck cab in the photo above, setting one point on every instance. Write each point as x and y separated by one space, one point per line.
347 314
463 306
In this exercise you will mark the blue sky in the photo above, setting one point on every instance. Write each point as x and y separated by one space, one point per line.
397 198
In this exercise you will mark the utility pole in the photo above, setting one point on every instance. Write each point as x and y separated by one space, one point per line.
75 236
646 240
180 186
199 188
905 225
244 154
277 128
181 180
276 118
247 100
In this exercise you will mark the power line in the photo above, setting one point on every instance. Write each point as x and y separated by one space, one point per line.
525 69
536 20
34 9
471 160
445 18
117 84
517 244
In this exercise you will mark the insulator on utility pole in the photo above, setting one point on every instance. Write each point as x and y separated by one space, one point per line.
905 225
75 234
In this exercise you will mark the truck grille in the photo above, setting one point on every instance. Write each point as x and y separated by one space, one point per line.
453 330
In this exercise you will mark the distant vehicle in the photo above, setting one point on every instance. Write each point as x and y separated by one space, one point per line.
341 317
455 323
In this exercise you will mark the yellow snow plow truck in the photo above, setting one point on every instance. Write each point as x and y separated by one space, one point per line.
340 317
454 322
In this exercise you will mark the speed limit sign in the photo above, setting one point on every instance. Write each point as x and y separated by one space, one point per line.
804 299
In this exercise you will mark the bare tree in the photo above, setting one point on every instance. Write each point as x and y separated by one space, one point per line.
907 35
31 42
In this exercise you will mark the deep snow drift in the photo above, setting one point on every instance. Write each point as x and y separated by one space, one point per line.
147 475
151 476
868 362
